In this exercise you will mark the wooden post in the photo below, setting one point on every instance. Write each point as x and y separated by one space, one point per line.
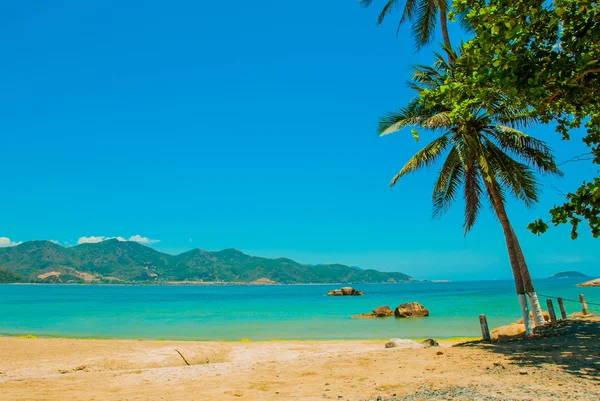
551 312
584 307
561 306
485 331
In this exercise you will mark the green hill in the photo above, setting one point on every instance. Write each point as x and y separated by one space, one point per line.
114 261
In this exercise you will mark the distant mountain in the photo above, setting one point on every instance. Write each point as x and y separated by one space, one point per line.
568 274
114 261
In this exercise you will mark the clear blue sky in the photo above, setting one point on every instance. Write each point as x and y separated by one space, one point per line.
237 124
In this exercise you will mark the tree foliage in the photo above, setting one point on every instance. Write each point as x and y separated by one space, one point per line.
545 57
483 155
422 15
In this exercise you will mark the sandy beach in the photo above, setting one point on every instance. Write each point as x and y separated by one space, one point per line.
562 365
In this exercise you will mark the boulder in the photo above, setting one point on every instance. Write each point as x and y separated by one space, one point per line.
505 333
580 315
546 317
383 311
335 293
430 342
401 343
411 309
357 293
347 291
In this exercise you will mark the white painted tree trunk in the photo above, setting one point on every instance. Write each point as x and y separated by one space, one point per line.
536 309
525 313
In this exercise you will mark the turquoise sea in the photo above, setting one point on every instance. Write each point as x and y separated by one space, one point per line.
281 312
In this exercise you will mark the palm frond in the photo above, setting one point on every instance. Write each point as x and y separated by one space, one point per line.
424 25
531 150
447 183
516 177
472 191
387 9
409 10
413 115
425 157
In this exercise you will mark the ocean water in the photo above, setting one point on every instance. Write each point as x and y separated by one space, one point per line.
283 312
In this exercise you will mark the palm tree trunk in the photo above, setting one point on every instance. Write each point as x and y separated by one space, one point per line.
498 206
445 35
538 316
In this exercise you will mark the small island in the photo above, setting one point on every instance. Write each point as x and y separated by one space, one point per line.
568 274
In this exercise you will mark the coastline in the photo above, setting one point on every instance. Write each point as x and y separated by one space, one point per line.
60 368
219 284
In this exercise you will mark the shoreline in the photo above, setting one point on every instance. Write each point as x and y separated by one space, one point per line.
545 368
30 336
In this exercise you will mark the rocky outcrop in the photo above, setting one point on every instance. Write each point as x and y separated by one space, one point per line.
580 315
505 333
364 316
383 311
345 291
380 311
411 309
546 317
591 283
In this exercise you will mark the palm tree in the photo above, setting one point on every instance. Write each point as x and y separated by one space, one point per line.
485 154
423 15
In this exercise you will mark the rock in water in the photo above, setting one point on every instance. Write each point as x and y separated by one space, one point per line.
401 343
383 311
411 309
344 291
364 316
347 291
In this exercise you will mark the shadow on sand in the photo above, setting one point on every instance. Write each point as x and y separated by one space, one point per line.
572 345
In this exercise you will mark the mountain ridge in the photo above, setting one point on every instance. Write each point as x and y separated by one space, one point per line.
114 261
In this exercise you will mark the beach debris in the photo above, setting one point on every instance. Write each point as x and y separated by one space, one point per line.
439 353
383 311
402 343
182 357
344 291
411 309
522 372
430 342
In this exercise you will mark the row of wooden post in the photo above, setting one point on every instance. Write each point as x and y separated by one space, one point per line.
485 330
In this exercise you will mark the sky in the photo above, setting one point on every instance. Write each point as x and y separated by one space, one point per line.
213 125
